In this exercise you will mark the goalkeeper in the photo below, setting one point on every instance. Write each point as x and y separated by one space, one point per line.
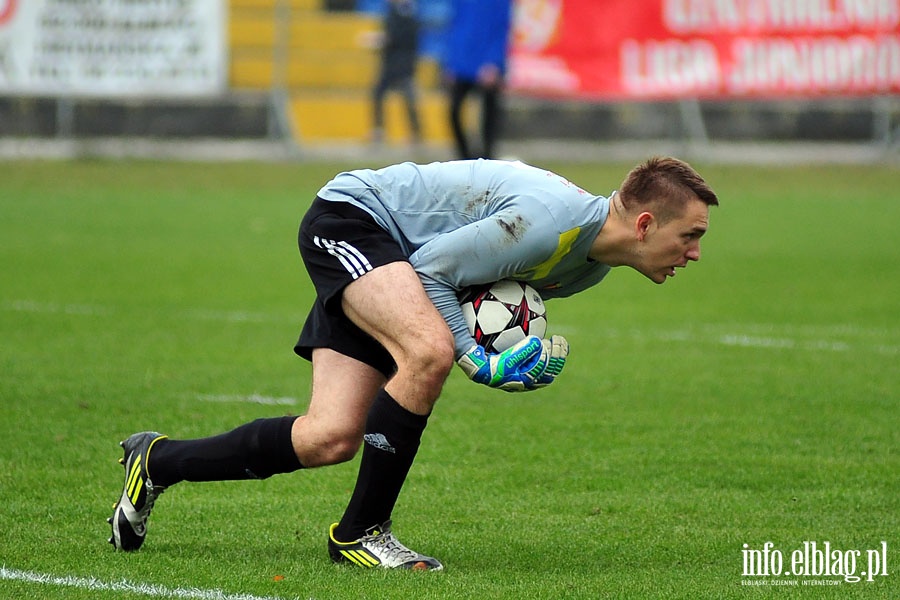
387 252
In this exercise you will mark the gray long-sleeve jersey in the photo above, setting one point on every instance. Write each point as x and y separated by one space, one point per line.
471 222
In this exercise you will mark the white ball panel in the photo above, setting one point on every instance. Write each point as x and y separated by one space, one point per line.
508 338
535 302
507 291
538 327
468 310
493 316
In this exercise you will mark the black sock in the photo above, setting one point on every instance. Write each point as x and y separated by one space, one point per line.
256 450
391 442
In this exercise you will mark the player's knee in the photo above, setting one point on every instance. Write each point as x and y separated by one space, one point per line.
333 452
432 358
342 450
319 447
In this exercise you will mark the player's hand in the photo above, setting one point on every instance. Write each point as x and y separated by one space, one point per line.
558 349
516 369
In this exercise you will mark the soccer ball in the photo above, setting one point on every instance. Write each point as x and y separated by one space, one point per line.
502 314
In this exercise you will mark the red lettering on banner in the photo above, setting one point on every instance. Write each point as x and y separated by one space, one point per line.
823 65
663 67
716 16
711 49
7 10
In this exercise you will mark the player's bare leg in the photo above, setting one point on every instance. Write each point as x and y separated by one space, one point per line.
390 304
332 429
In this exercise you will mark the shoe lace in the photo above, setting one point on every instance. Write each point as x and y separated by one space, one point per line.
153 492
393 546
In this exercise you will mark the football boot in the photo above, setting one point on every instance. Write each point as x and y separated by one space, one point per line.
129 520
379 548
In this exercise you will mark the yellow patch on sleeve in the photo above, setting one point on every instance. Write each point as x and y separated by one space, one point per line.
566 240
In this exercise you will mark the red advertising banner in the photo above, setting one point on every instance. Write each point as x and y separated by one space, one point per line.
668 49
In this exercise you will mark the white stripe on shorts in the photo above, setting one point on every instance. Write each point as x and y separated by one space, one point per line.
352 259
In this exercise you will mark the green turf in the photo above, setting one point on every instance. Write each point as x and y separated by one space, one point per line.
754 398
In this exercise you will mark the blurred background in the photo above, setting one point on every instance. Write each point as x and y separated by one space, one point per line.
585 79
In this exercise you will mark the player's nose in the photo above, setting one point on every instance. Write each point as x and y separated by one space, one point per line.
693 253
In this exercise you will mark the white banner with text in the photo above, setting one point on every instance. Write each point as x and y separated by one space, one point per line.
112 48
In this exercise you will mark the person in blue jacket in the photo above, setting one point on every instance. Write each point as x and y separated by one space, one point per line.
388 251
475 62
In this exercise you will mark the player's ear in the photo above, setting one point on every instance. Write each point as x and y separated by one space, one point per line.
642 225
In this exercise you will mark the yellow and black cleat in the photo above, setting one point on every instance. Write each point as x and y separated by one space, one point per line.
129 519
379 548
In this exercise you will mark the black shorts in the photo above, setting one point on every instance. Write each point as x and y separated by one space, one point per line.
339 243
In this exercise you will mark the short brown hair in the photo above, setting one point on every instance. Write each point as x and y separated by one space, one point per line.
664 185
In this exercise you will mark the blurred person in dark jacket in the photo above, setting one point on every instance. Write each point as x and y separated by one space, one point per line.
475 61
399 44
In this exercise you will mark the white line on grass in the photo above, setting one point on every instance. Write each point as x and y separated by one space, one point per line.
30 306
145 589
824 341
233 316
95 310
812 338
251 399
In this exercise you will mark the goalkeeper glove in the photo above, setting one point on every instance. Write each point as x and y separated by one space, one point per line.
558 349
516 369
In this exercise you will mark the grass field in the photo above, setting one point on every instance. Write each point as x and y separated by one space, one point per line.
754 398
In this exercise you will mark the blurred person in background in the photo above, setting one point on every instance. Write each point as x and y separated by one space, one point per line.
399 43
475 61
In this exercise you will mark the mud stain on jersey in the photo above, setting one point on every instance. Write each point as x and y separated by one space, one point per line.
477 202
514 228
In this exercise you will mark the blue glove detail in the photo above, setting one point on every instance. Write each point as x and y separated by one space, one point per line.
516 369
